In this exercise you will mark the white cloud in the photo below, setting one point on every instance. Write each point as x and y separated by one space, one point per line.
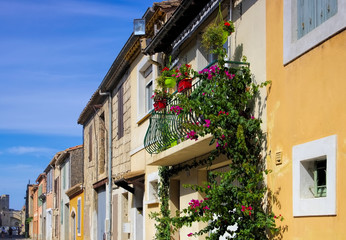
37 151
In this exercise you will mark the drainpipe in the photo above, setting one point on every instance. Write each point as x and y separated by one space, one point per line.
109 205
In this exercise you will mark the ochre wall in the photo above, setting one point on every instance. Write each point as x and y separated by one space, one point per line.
74 207
305 102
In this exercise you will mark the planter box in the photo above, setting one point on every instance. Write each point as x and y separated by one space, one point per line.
185 84
160 105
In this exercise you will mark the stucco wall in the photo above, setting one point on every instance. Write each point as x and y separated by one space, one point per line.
305 103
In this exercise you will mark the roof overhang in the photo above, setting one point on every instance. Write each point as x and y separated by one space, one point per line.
136 178
180 20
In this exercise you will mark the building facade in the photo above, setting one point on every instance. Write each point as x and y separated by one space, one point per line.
305 51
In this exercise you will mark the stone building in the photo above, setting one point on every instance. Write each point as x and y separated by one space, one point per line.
9 217
114 185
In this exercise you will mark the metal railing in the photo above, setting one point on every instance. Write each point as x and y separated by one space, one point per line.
166 128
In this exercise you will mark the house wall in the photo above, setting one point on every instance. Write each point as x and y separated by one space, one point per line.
64 200
56 204
74 208
77 170
121 147
91 159
305 103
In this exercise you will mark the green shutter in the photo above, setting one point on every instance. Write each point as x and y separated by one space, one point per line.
39 194
320 179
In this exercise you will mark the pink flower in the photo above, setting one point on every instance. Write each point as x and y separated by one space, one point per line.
207 123
190 234
192 135
243 208
203 93
252 117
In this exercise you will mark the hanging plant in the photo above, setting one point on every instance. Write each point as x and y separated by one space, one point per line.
216 34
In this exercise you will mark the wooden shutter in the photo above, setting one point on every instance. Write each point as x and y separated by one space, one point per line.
120 113
90 143
312 13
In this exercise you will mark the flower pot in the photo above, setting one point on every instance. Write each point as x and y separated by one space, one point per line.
185 84
160 104
170 82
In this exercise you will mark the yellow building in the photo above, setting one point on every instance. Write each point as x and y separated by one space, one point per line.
306 51
76 228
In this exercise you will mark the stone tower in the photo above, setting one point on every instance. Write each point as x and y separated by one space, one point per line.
4 202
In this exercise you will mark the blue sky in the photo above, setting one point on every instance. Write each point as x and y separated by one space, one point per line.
53 56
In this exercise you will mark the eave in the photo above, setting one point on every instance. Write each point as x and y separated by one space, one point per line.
181 18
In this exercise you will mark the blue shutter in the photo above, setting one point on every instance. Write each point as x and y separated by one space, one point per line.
78 216
61 212
312 13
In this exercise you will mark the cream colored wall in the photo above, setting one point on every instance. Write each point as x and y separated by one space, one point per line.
305 103
249 39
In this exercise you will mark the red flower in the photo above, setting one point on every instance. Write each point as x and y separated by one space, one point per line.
227 24
165 69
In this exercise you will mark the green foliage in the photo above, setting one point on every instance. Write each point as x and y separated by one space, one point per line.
28 220
223 101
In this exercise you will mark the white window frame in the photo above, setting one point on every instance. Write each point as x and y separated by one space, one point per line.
313 151
294 47
141 88
152 179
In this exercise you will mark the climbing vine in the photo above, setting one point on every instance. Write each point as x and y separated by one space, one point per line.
233 203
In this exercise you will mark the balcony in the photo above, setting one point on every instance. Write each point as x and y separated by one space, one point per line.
168 130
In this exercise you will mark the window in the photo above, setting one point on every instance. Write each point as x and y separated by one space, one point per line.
102 143
49 186
145 88
314 177
120 112
90 136
79 215
309 22
312 13
148 93
152 186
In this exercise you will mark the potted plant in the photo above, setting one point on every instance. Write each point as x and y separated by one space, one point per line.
184 75
160 97
166 80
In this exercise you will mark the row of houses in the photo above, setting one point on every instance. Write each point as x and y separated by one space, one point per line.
107 187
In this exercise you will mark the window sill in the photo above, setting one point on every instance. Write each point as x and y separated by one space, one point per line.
143 119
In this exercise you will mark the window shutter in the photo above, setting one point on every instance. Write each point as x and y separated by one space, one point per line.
79 216
312 13
90 143
120 113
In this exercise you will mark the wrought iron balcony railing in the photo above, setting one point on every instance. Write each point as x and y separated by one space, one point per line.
166 129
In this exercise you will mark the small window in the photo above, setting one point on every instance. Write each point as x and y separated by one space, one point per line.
314 177
313 174
152 186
